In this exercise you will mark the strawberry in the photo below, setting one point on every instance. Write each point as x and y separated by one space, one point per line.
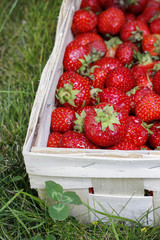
97 46
148 108
74 54
120 78
148 13
156 82
137 131
151 44
112 45
84 20
108 63
136 6
97 77
154 138
85 38
125 52
78 121
115 97
54 139
61 119
94 5
155 26
73 139
73 90
125 145
145 147
135 95
115 3
134 31
111 21
105 125
130 17
144 80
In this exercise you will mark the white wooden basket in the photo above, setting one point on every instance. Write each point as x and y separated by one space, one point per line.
118 178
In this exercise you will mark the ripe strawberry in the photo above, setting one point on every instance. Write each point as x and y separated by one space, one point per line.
73 139
115 3
144 80
137 131
135 95
84 20
73 90
125 52
85 38
108 63
145 147
151 44
115 97
120 78
154 138
61 119
105 125
111 21
73 55
97 46
130 17
156 82
125 145
94 5
112 45
54 139
148 109
155 26
97 77
136 6
78 121
148 13
134 31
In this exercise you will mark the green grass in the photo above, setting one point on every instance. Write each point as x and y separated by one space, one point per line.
27 32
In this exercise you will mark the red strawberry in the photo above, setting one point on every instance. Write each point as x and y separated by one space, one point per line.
155 26
105 125
151 44
108 63
73 55
120 78
125 145
97 46
148 109
78 121
73 139
144 80
111 21
137 131
125 52
94 5
73 90
97 77
84 21
145 147
134 31
115 97
130 17
148 13
156 82
115 3
112 45
61 119
136 6
85 38
54 139
154 138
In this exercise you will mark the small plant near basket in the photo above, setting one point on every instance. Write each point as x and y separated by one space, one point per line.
59 210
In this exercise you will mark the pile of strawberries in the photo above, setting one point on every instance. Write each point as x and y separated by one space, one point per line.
108 96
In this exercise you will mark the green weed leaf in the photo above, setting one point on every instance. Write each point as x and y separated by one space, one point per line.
50 237
36 238
71 198
59 211
54 190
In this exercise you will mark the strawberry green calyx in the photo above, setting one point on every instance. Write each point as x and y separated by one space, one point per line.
113 42
129 2
88 72
67 94
156 67
157 46
79 123
93 56
94 94
133 91
147 127
137 35
155 17
107 117
143 58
